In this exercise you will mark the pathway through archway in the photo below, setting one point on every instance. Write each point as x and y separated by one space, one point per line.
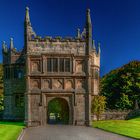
58 111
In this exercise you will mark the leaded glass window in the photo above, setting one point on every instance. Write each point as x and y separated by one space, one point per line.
55 64
49 65
67 65
58 65
61 64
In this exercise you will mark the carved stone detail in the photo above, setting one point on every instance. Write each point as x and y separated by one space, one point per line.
35 84
46 84
57 84
35 66
68 84
79 84
62 47
79 66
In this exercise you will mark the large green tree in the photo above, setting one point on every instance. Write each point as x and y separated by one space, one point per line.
121 86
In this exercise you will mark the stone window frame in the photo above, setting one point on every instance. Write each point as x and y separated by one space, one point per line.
50 68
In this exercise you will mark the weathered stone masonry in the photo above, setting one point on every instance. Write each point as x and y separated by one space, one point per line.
49 68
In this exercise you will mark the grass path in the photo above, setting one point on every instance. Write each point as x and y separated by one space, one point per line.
129 128
10 130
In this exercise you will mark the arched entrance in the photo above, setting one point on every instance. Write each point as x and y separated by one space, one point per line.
58 111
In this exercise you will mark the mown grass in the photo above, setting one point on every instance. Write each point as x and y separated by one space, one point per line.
10 130
129 128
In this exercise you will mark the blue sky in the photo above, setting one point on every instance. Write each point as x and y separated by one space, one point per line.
116 25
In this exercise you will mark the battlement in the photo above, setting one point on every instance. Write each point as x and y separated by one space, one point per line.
57 39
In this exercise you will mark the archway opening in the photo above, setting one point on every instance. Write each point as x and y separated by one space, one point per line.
58 111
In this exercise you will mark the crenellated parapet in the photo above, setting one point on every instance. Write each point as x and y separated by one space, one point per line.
57 39
56 46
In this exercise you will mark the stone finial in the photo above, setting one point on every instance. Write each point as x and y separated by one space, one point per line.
27 8
4 47
83 34
78 33
27 16
99 48
11 43
88 16
94 47
88 10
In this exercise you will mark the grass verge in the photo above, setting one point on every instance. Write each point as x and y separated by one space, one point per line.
10 130
130 128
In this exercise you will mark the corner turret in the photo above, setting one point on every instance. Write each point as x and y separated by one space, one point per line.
78 33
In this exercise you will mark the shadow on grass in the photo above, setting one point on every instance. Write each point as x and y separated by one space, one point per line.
12 123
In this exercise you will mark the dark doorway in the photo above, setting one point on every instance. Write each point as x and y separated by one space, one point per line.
58 111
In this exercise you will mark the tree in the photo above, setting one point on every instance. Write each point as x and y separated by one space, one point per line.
98 105
1 103
121 86
124 102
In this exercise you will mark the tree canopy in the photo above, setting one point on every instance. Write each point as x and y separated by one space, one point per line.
121 86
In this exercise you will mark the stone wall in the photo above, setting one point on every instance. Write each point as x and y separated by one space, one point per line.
80 109
12 88
112 115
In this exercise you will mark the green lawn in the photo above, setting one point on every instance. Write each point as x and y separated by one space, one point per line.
10 130
129 128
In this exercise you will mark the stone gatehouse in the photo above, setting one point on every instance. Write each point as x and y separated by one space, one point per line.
51 68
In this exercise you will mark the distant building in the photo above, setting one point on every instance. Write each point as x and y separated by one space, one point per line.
47 69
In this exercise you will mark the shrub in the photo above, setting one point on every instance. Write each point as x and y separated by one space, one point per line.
98 105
